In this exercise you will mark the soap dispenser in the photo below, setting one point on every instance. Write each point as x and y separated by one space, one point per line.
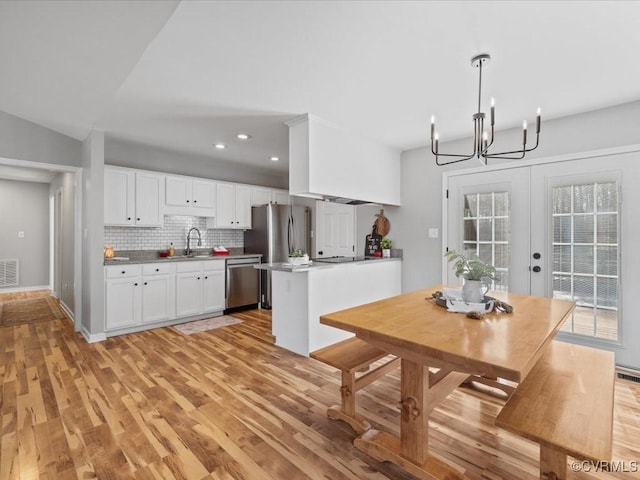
172 251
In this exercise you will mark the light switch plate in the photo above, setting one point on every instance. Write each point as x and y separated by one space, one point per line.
20 234
433 233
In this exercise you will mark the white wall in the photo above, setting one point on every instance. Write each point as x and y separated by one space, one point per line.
422 194
146 157
66 182
24 207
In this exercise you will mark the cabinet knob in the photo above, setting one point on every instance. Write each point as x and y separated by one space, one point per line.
146 283
198 278
157 269
137 219
128 218
123 272
206 278
135 284
187 201
537 269
195 201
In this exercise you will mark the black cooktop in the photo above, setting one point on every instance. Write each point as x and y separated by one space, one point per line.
339 259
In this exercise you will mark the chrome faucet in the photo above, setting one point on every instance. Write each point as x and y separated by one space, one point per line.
188 252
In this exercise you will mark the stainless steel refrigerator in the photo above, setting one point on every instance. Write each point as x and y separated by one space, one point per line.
277 230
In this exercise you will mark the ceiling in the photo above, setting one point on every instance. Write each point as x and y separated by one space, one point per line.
185 75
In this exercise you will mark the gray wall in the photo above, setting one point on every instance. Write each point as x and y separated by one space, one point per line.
24 207
24 140
93 236
66 182
146 157
422 180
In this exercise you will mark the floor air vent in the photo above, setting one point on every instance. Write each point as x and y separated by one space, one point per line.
8 273
631 378
628 373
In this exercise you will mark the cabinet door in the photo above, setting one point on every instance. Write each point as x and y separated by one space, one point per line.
118 197
188 294
243 207
178 191
213 291
225 205
122 303
260 196
156 295
281 197
148 200
203 193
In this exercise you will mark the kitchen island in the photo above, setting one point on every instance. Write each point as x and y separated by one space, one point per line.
301 294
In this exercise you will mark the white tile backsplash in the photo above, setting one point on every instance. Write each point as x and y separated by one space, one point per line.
175 230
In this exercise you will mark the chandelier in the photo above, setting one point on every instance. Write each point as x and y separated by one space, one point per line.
482 140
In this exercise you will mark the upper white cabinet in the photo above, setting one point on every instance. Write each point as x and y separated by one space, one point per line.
132 198
189 196
265 195
233 206
319 149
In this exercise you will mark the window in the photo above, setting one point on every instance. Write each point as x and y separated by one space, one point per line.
487 232
585 256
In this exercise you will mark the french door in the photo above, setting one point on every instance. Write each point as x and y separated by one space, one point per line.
559 230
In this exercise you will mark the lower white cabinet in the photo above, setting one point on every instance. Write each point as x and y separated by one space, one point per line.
140 295
199 287
157 292
123 296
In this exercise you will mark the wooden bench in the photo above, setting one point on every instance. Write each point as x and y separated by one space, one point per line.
351 356
566 405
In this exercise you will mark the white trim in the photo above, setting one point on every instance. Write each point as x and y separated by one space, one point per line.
93 338
66 310
25 289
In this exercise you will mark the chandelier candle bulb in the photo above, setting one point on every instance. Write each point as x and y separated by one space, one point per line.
538 121
433 125
436 139
524 132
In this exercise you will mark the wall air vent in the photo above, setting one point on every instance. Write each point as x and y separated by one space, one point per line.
8 273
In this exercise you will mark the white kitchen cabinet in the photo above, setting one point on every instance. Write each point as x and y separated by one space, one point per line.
123 296
213 292
189 196
233 206
132 198
199 287
281 197
265 195
157 292
261 195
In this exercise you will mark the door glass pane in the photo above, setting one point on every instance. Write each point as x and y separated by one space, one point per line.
585 256
487 232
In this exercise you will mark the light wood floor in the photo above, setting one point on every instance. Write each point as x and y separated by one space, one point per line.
227 404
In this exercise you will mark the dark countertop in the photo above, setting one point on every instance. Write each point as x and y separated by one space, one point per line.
134 257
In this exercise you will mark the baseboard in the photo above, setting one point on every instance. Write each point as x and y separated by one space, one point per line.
67 311
24 289
93 338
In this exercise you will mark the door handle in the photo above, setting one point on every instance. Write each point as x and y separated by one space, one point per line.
537 269
537 256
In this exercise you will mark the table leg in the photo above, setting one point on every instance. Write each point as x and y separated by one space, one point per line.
411 450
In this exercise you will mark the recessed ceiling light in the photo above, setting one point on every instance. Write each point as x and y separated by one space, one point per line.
220 146
243 136
274 158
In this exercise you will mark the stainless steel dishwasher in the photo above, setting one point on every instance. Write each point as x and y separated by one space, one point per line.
243 283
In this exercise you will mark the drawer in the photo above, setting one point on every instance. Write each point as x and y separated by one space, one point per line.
213 265
123 271
157 268
188 267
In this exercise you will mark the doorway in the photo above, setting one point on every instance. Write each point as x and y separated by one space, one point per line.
558 229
